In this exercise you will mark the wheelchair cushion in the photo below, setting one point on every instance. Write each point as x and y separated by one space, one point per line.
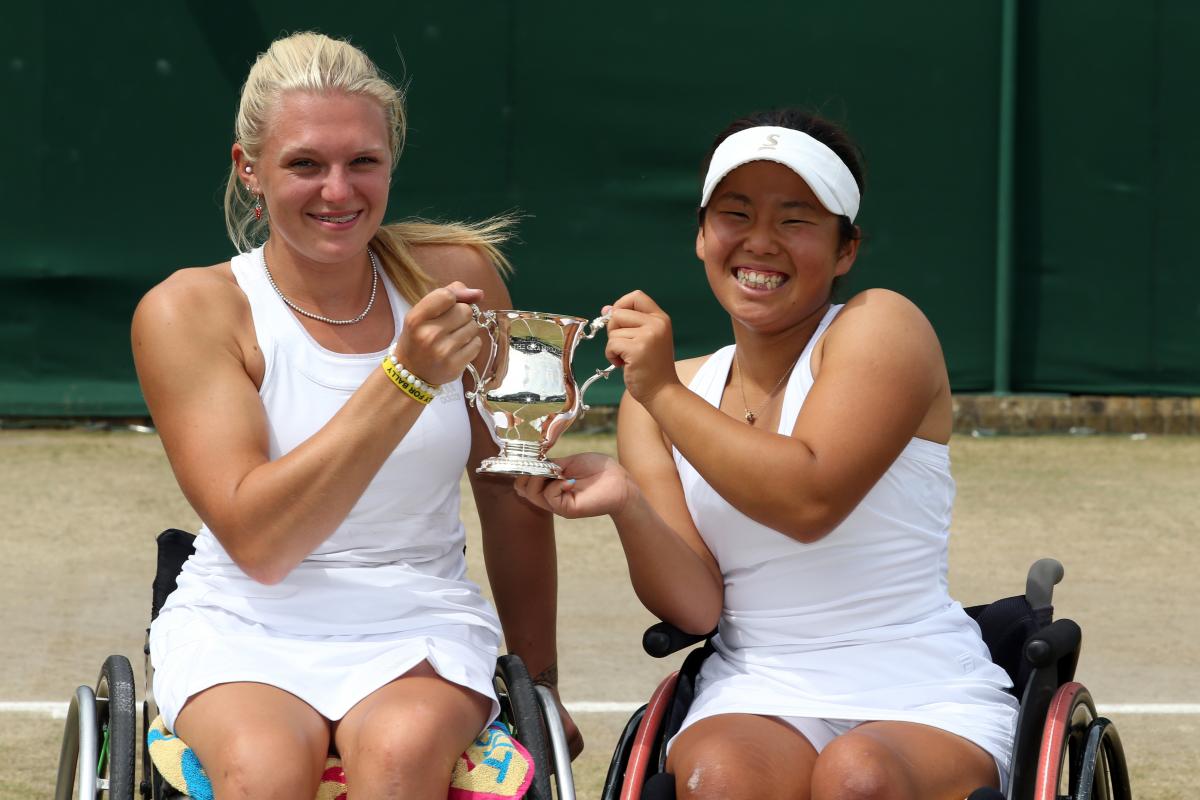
495 767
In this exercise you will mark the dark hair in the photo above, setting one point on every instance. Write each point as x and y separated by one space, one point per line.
827 133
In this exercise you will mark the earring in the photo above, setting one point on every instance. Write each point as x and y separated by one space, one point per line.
258 207
249 169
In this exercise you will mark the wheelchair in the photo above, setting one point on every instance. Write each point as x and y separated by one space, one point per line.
1063 750
100 741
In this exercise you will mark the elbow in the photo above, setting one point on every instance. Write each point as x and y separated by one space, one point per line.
267 575
262 567
258 563
261 570
698 624
705 615
811 520
690 620
697 614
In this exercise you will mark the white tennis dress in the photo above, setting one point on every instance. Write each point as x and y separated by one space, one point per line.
386 590
858 625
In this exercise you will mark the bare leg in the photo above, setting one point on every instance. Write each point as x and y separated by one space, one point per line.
900 761
403 739
741 756
255 741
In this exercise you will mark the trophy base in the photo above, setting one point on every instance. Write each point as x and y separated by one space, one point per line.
510 465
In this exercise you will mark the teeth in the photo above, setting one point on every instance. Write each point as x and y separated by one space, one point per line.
759 280
346 218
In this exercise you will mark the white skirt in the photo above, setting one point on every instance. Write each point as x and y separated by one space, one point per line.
195 648
329 635
909 680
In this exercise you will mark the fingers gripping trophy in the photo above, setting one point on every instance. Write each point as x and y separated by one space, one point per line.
527 393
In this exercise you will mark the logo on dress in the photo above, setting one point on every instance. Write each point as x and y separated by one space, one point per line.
450 393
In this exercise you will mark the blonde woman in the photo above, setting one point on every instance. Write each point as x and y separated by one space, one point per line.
308 393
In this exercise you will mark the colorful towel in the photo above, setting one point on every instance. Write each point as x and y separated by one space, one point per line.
495 767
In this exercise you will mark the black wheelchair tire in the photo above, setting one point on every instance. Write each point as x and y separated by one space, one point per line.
519 707
1102 770
119 716
144 787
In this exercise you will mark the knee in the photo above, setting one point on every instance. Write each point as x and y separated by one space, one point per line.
856 768
707 771
397 756
393 747
257 765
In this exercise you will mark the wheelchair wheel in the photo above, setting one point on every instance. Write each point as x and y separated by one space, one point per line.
643 752
99 742
117 720
1081 755
520 709
620 757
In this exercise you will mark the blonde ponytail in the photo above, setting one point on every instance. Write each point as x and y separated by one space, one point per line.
393 245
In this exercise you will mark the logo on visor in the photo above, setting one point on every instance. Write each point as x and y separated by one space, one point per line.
771 143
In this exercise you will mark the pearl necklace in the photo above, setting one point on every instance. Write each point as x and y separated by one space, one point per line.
318 317
752 415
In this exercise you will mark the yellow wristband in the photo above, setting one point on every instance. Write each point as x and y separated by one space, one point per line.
410 384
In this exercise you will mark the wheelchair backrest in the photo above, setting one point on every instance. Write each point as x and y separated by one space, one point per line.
174 548
1006 625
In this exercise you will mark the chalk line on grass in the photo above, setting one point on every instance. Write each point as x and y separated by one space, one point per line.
59 710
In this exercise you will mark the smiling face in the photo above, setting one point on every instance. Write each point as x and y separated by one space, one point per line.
770 249
324 173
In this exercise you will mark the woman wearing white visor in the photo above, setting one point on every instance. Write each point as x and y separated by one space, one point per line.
793 490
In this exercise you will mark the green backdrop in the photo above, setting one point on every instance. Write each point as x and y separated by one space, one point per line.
591 120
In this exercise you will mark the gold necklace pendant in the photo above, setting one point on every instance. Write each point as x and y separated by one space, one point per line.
753 415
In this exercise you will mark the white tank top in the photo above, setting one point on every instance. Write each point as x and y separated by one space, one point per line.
396 562
878 576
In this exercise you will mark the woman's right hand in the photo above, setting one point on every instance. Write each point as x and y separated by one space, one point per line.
440 337
592 484
640 341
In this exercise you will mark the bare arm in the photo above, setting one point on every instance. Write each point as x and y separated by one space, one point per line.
192 366
880 371
657 530
518 538
672 571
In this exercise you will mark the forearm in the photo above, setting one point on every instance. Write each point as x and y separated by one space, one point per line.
673 582
282 510
771 478
519 551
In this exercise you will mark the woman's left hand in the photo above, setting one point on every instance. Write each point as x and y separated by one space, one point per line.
574 735
640 341
592 484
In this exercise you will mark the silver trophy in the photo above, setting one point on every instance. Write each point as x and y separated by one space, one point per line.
527 395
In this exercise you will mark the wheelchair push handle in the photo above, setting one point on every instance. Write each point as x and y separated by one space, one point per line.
1043 576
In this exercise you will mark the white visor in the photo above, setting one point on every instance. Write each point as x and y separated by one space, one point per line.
825 173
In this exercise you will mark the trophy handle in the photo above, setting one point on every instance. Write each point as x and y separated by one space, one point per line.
590 331
487 321
595 326
600 373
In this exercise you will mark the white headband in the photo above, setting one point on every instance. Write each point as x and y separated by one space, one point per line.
825 173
